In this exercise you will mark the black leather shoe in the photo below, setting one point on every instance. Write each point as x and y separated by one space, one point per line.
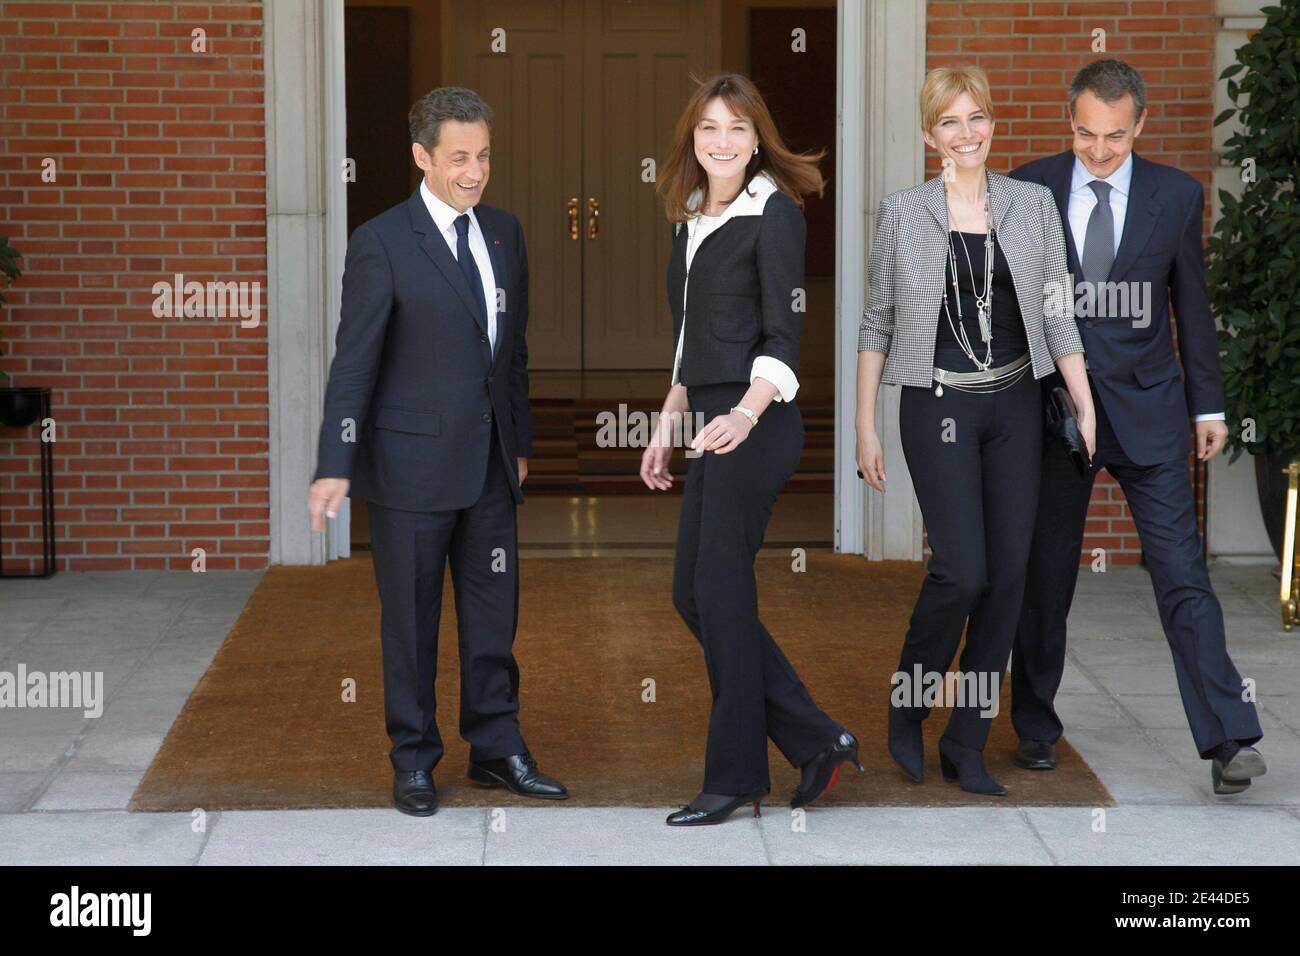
710 808
966 766
820 773
1233 776
906 745
1036 755
518 773
413 793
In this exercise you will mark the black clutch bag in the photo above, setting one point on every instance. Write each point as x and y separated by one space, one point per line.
1063 423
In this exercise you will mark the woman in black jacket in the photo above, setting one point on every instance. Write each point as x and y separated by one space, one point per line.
733 192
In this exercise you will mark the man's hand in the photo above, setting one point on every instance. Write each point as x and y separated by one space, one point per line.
522 464
1210 438
325 498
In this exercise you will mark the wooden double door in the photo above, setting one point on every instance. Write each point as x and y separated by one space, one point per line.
585 96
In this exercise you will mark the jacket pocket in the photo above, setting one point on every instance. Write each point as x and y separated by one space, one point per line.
734 318
408 420
1153 373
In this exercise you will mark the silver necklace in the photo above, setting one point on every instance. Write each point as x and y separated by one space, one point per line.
983 299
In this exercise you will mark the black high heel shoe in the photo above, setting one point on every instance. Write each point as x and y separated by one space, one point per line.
824 769
690 816
965 766
906 745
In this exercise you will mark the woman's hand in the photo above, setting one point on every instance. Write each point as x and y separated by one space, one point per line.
871 458
723 434
1088 428
655 459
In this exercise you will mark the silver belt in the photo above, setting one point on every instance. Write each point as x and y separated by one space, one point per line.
989 380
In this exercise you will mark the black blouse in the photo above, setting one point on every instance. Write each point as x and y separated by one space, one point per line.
1009 339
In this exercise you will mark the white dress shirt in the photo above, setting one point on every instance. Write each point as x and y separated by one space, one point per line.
444 217
1082 202
765 366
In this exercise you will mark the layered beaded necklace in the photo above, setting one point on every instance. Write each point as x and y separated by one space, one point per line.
983 299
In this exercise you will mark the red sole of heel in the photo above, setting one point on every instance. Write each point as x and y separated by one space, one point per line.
835 775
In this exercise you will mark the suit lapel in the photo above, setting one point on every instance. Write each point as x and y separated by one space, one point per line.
1139 217
435 247
1013 248
499 276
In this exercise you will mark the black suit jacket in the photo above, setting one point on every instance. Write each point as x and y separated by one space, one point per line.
740 292
413 370
1132 364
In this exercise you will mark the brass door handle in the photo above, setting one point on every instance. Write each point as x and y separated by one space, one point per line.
593 217
572 206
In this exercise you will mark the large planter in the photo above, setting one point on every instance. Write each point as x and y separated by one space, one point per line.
1271 480
19 407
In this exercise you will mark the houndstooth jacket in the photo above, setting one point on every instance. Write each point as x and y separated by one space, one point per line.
906 270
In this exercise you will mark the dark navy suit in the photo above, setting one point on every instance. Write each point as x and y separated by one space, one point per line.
1143 403
426 419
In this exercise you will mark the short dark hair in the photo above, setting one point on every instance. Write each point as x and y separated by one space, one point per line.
1109 80
445 103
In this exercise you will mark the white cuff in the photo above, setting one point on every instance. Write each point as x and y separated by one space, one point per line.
778 373
1212 417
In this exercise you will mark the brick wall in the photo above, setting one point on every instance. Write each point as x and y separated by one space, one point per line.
160 169
1031 51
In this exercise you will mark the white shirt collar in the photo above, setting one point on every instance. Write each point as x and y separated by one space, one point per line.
750 202
444 216
1120 180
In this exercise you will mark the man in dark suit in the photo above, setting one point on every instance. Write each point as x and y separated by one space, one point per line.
1133 231
427 419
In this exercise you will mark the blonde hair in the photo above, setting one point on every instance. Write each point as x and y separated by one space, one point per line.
945 83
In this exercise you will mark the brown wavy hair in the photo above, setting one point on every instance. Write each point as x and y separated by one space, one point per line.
795 174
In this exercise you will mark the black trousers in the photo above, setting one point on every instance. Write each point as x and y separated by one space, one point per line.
411 550
725 509
974 461
1160 500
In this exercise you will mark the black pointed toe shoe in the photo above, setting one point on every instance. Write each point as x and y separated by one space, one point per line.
518 773
413 793
710 808
819 774
966 766
905 744
1035 755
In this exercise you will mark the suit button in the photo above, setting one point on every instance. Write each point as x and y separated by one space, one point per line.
487 416
482 337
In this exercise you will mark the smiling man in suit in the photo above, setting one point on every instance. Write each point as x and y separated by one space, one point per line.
427 419
1134 227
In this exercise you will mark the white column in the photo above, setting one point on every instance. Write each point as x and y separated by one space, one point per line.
303 69
881 66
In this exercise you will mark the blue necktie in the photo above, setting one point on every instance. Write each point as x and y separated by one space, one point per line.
469 266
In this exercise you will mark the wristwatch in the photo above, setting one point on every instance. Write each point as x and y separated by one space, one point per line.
748 413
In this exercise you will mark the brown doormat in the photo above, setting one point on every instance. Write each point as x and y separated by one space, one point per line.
614 696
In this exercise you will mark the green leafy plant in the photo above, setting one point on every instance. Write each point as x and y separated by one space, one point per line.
9 257
1254 269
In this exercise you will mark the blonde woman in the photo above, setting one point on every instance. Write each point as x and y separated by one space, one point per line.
970 304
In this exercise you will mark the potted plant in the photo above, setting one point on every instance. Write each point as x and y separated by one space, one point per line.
19 407
1254 269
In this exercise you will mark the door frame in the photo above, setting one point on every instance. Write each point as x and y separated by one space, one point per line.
881 45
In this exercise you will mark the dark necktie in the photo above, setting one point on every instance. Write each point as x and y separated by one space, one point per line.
1099 240
468 266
